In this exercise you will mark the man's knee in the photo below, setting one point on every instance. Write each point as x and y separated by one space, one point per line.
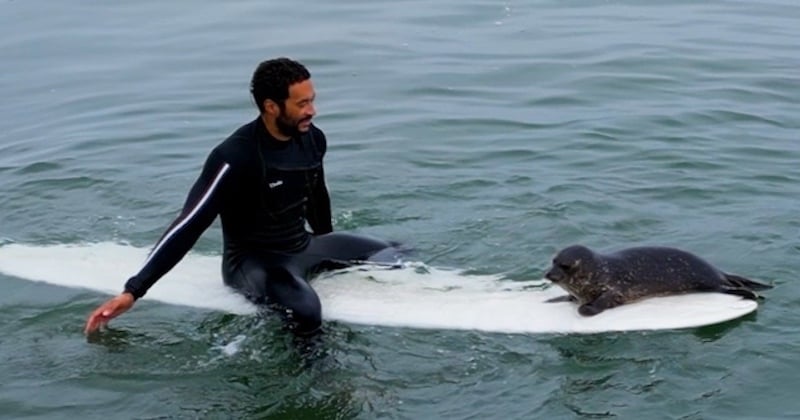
305 316
250 280
297 301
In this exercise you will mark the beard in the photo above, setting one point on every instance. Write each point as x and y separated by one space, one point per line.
289 127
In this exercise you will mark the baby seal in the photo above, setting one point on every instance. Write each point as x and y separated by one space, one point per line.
602 281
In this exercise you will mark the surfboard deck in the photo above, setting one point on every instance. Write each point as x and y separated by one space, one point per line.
415 296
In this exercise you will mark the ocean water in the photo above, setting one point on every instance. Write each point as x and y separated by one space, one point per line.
487 135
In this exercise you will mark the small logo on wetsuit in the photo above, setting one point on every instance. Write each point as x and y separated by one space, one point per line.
277 183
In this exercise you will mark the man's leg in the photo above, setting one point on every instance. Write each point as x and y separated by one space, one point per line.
277 287
348 248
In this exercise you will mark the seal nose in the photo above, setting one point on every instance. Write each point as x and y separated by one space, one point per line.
552 275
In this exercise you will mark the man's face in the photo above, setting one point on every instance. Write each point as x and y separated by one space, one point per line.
298 109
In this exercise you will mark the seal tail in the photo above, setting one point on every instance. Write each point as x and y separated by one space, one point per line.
742 282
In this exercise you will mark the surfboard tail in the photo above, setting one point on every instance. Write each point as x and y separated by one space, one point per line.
740 281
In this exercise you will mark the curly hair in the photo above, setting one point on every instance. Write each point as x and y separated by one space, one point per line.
272 79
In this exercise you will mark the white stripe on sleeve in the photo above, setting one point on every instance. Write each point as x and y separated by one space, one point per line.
191 214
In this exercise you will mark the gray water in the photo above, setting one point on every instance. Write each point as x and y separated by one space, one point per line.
486 134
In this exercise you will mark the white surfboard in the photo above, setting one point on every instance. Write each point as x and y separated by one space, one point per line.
414 296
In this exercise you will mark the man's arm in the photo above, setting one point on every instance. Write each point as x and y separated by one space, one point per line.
319 212
199 211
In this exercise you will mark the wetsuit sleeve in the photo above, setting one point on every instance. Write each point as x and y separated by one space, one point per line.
199 211
319 214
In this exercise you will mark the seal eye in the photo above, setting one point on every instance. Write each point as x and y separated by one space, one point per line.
564 267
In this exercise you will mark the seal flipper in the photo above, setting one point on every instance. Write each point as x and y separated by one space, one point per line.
565 298
607 300
741 291
742 282
589 309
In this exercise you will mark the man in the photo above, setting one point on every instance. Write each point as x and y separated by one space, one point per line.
267 184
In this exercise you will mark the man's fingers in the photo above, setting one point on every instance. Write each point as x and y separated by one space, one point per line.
92 324
107 311
99 317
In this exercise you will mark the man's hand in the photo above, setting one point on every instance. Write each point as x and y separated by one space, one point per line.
112 308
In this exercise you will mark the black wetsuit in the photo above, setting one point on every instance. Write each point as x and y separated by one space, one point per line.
264 190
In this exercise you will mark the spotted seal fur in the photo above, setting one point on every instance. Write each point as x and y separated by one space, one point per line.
601 281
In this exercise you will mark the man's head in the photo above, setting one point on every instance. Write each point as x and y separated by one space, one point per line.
283 92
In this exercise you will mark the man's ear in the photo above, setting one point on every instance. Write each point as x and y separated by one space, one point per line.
271 107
